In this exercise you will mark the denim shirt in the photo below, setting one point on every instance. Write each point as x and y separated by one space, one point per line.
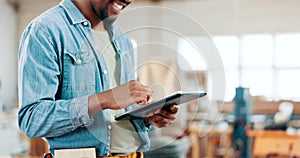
58 69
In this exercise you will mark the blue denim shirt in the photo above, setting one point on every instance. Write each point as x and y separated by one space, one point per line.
58 69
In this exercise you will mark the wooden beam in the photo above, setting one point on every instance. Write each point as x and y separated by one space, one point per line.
261 107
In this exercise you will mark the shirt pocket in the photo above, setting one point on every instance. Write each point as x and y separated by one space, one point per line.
79 73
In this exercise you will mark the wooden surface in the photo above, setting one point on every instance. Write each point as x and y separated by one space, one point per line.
275 142
37 147
258 107
261 107
209 140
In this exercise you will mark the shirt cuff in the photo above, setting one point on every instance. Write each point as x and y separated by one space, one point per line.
79 112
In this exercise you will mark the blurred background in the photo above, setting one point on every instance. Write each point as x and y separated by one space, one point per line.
258 96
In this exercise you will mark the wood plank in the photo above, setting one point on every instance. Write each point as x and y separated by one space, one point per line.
274 142
262 107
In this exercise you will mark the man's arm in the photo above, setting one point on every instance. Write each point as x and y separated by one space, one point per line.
40 114
120 97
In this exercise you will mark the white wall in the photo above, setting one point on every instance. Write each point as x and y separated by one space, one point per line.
8 53
238 16
8 75
218 17
29 9
12 25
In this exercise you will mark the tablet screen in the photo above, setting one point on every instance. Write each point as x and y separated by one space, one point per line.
176 98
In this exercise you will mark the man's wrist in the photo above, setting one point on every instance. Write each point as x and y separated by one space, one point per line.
96 104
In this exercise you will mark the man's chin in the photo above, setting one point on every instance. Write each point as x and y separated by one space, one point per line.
105 15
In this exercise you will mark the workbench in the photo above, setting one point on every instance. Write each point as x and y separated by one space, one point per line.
272 142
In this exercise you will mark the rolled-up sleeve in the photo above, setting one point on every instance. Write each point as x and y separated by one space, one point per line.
79 112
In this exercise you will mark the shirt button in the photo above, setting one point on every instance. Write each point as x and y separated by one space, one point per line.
105 72
79 61
85 23
109 127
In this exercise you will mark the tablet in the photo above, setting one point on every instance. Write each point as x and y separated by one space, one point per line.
176 98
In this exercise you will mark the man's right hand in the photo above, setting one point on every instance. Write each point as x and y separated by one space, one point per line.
120 97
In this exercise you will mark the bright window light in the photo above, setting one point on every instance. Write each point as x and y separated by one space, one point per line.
288 84
259 82
228 47
189 57
287 50
257 51
232 81
266 64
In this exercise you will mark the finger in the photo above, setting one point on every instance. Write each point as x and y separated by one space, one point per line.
134 85
158 121
171 109
143 99
163 115
166 114
141 95
149 96
163 122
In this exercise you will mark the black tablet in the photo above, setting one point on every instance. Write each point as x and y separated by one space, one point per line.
176 98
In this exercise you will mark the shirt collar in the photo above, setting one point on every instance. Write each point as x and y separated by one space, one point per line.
75 16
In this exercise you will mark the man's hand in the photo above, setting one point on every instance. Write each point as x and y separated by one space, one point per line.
120 97
128 94
163 117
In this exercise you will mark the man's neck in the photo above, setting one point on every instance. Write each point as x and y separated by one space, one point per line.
86 10
99 26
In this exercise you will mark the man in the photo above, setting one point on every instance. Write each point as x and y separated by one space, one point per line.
76 71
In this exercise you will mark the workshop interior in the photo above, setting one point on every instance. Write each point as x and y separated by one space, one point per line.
245 55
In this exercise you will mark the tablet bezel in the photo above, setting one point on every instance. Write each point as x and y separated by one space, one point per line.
176 98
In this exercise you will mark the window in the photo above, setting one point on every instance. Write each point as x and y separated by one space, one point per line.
256 64
228 47
269 65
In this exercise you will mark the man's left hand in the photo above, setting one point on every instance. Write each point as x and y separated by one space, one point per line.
163 117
